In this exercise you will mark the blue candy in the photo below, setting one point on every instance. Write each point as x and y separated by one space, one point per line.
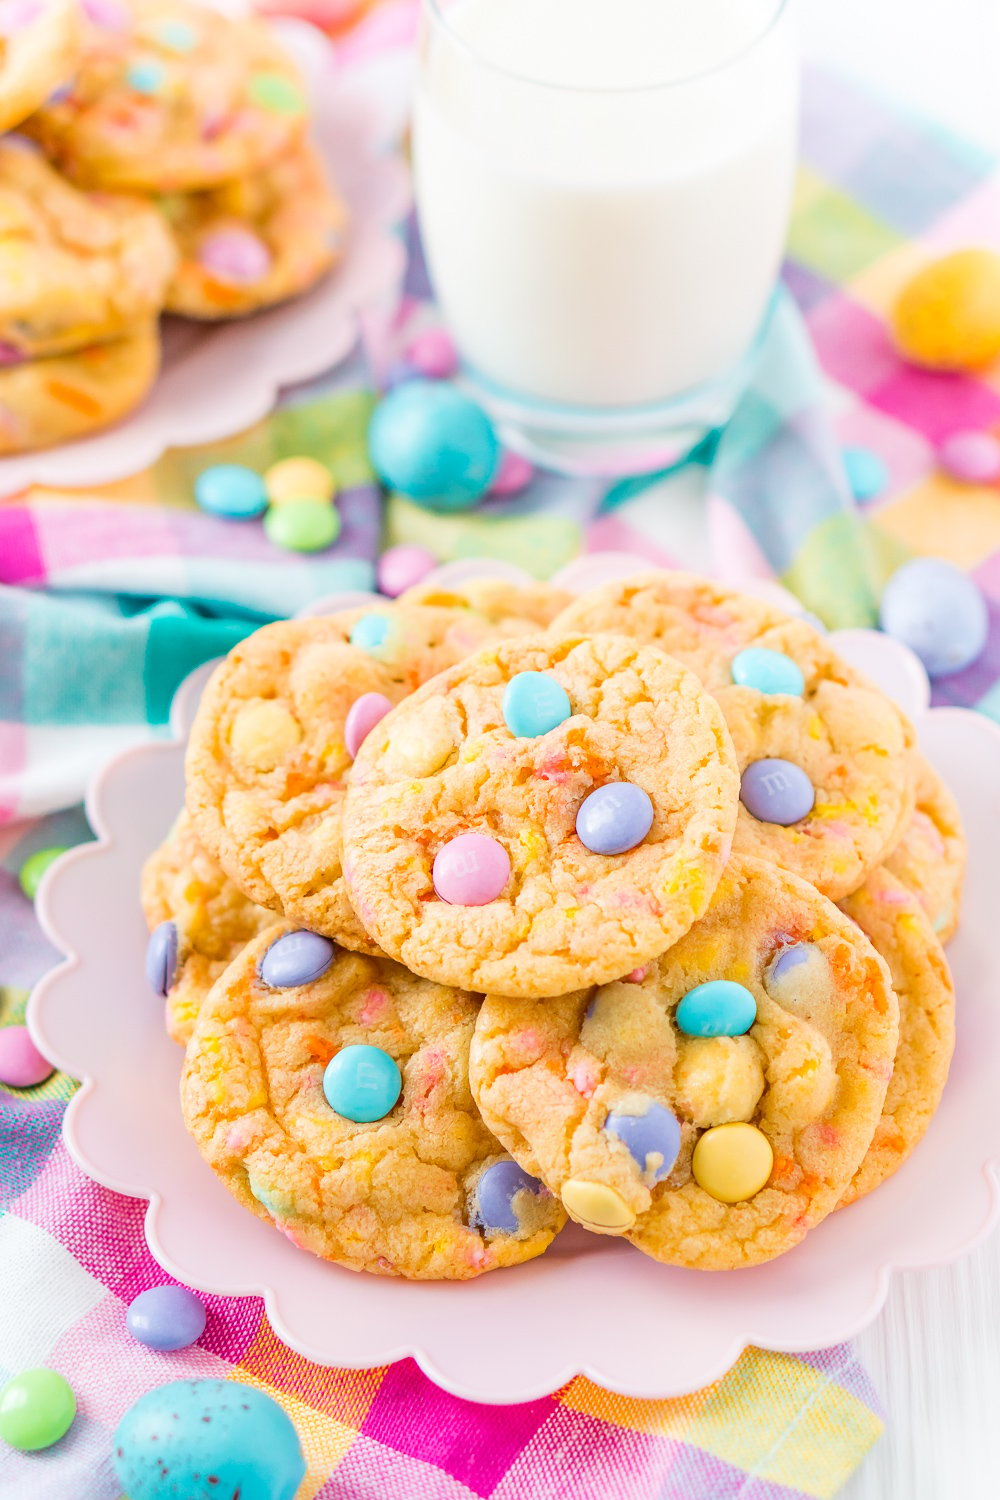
146 76
615 818
768 672
362 1083
496 1190
207 1440
161 958
432 443
370 632
231 491
297 958
720 1007
534 703
654 1133
777 791
867 475
938 611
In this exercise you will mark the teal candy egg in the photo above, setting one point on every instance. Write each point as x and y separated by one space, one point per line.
768 671
433 444
207 1440
720 1007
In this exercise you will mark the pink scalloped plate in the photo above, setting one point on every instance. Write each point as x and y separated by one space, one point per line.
591 1305
218 379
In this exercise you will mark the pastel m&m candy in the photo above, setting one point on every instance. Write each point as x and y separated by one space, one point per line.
276 93
235 254
231 491
34 867
938 611
596 1206
614 818
471 870
720 1007
433 353
302 526
166 1318
514 474
732 1162
534 703
497 1195
768 671
300 478
403 567
296 958
146 75
37 1408
161 957
432 443
362 716
777 791
370 632
22 1066
362 1083
653 1138
971 457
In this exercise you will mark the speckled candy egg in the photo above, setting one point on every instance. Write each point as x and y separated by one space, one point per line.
207 1440
430 442
948 316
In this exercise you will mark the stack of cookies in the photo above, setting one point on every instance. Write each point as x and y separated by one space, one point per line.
494 906
174 174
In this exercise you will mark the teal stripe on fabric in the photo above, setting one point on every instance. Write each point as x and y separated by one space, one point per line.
82 662
177 642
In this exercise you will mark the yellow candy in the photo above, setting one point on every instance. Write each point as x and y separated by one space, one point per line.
262 735
948 317
732 1162
299 479
596 1206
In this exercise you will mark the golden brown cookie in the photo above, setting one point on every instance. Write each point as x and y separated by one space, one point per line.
256 241
899 928
713 1106
330 1093
549 813
825 758
930 859
75 268
498 600
171 97
39 49
66 396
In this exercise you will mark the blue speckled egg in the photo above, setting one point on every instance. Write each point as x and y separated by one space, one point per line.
430 442
207 1440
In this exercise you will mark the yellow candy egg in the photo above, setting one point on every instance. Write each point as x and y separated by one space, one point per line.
948 316
300 478
596 1206
732 1162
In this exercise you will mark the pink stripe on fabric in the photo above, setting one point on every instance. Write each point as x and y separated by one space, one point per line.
853 345
370 1471
20 553
13 759
736 556
574 1456
974 221
71 535
936 405
391 25
109 1370
611 534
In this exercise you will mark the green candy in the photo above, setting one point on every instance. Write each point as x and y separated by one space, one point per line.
37 1408
302 526
275 92
34 868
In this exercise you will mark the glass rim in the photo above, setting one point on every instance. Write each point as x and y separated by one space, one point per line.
436 11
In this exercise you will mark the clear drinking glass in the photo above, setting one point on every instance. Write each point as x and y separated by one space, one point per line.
604 189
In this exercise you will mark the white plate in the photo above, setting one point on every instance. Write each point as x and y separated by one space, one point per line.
591 1305
218 379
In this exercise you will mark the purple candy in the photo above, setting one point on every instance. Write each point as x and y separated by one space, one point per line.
166 1318
792 957
777 791
495 1194
161 957
297 958
234 255
615 818
655 1133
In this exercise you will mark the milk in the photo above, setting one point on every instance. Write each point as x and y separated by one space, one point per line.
604 187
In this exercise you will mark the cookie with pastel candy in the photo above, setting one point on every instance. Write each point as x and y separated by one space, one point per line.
330 1093
931 856
40 45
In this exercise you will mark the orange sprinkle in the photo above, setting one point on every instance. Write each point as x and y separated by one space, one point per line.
70 396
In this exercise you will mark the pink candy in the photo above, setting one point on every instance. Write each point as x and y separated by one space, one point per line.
471 870
234 255
433 354
113 15
21 1063
362 716
15 15
400 568
513 475
972 457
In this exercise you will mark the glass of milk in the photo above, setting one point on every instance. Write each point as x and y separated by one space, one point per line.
604 190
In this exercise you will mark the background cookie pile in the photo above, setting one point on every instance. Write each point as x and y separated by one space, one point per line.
170 171
493 906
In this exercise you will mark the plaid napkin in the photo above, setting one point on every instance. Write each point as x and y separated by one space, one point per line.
107 599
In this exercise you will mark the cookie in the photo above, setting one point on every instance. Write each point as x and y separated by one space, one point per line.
536 603
75 268
66 396
900 929
330 1093
930 858
257 241
39 48
171 97
825 758
270 749
549 813
713 1106
210 920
